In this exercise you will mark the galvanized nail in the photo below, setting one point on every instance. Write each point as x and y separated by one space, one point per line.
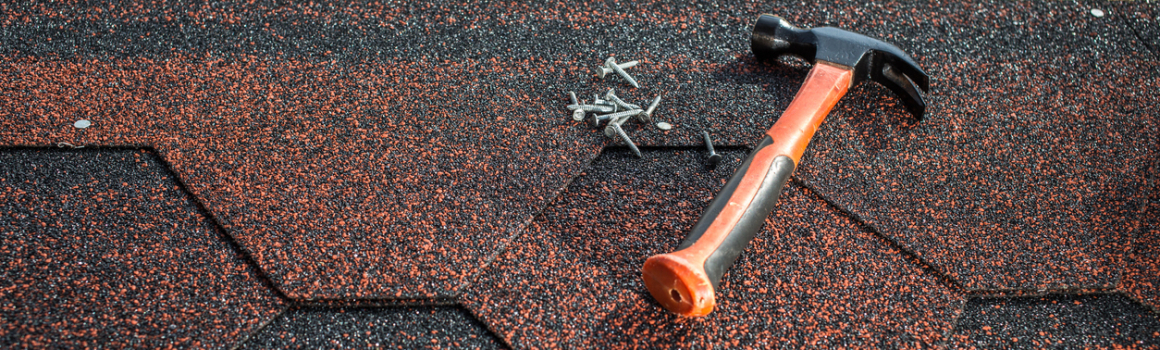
611 63
624 136
647 115
603 70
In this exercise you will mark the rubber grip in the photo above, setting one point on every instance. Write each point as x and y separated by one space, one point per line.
685 281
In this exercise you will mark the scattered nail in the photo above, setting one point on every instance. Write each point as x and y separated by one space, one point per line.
647 115
616 128
596 100
598 108
611 96
604 70
714 158
618 115
618 121
611 63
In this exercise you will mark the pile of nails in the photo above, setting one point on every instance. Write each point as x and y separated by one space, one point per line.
612 108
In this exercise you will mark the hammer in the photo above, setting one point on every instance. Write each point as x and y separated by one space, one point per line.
684 281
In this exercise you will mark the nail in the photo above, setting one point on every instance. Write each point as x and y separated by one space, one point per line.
647 115
603 70
599 101
616 128
618 121
572 95
611 63
714 158
618 115
592 108
611 96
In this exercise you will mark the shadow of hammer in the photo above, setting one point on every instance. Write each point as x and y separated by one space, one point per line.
684 281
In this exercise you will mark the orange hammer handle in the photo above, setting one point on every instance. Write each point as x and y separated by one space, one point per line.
684 281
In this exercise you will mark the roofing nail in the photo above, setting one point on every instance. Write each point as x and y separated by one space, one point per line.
595 121
618 115
611 63
603 70
592 108
647 115
714 158
596 100
620 132
618 121
572 95
611 96
578 115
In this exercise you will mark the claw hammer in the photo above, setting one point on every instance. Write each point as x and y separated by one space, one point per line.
685 281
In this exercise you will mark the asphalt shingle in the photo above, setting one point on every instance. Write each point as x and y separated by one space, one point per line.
811 278
402 327
1057 321
102 249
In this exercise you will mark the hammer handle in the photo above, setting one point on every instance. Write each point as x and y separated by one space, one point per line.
685 281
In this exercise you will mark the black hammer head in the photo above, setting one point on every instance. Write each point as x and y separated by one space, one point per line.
869 58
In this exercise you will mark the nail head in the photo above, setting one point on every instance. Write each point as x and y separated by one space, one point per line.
714 159
664 126
83 123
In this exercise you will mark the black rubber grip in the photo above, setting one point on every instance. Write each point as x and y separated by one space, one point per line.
754 216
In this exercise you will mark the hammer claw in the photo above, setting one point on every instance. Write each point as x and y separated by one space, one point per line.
868 58
884 55
903 87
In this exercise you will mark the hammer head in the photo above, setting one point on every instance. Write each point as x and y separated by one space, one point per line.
869 58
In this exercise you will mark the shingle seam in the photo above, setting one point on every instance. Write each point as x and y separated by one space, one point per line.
246 338
1133 247
946 335
201 208
372 303
523 226
223 234
491 330
285 312
1149 307
906 253
1062 293
1148 44
1152 183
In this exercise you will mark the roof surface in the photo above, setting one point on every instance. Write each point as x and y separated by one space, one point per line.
325 174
